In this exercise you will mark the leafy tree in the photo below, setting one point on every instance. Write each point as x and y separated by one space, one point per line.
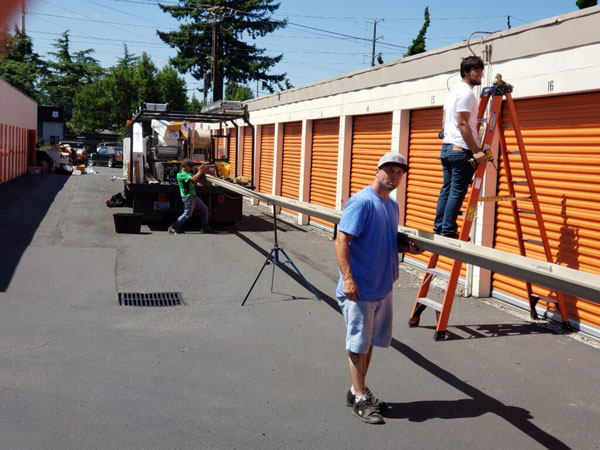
418 43
122 90
145 80
237 92
236 60
92 108
586 3
171 88
68 73
20 65
109 101
195 104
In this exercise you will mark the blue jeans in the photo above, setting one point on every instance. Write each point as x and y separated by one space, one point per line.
458 174
190 204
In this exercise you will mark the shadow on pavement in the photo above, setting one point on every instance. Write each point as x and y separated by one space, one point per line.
25 202
444 409
478 404
249 223
493 330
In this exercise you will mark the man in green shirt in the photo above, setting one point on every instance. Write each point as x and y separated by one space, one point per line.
191 201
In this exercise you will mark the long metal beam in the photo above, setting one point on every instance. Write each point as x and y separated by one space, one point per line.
552 276
318 211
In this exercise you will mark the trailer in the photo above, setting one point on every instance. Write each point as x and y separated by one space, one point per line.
154 152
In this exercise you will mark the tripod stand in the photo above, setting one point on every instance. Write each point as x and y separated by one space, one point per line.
275 260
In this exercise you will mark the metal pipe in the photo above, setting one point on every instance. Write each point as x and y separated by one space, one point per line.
552 276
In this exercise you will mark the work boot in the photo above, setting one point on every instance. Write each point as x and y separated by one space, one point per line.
172 230
208 230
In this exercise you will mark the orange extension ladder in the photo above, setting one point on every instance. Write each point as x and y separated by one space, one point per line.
496 93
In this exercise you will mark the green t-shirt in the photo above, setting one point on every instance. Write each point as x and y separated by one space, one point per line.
186 186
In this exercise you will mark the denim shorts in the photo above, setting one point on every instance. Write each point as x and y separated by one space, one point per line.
367 323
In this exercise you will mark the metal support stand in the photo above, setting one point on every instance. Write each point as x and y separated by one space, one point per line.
274 259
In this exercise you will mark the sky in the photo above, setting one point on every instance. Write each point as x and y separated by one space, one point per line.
312 44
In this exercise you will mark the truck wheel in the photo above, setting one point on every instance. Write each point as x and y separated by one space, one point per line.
109 163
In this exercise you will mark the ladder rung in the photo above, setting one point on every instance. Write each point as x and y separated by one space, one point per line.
526 211
544 298
439 273
513 152
533 241
520 182
502 198
431 303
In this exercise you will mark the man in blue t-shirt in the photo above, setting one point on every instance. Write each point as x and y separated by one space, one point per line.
367 254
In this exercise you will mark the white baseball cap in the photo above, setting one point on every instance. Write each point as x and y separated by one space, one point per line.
393 158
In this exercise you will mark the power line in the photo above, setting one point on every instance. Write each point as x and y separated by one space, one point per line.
129 14
343 35
96 20
174 29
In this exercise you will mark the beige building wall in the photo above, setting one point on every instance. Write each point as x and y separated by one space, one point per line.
558 55
16 108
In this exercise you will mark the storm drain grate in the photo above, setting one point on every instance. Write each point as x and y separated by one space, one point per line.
150 299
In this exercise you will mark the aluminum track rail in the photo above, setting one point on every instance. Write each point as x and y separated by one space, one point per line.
552 276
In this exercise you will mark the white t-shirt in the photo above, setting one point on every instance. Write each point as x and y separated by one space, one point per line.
460 99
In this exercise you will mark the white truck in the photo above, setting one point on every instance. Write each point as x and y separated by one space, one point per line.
152 157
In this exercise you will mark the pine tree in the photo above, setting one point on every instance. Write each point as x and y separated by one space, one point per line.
586 3
20 65
68 73
287 84
236 60
418 43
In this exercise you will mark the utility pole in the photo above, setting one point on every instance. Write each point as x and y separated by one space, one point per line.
205 79
218 14
217 88
374 40
23 17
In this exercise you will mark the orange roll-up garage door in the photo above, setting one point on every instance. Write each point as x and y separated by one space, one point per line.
267 143
220 150
562 140
425 177
232 151
247 157
290 171
371 139
324 161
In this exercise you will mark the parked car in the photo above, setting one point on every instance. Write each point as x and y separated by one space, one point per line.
108 144
109 156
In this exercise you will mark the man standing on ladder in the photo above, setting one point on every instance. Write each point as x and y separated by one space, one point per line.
367 254
460 145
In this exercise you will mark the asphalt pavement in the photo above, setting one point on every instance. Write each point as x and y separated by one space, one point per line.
78 371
